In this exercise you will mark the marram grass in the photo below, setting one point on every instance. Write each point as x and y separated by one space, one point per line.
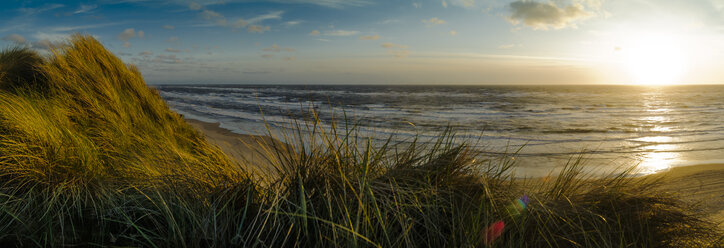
90 156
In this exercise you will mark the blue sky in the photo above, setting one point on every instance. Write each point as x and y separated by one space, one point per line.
395 41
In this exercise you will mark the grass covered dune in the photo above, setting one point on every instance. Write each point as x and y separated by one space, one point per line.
90 156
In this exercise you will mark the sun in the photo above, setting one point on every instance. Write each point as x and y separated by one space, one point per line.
654 59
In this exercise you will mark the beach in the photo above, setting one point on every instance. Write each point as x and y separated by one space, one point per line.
696 184
243 149
699 184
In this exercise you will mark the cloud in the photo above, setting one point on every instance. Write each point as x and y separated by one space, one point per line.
506 46
399 53
393 45
82 27
44 44
396 50
433 21
221 20
257 29
271 15
341 33
463 3
169 27
444 4
314 32
369 37
126 44
292 23
328 3
53 37
267 56
290 58
275 48
453 32
85 9
214 16
16 38
167 59
388 21
417 5
145 53
172 50
172 39
33 11
548 15
194 6
141 34
127 34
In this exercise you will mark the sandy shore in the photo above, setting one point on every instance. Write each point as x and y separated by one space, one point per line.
244 149
701 184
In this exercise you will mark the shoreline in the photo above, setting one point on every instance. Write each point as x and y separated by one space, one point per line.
244 149
701 184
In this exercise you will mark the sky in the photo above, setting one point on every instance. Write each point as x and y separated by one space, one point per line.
390 42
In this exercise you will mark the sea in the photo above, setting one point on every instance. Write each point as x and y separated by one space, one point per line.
541 128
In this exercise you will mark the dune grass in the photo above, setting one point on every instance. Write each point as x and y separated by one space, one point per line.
90 156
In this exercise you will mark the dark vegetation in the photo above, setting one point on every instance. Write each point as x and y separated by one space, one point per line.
90 156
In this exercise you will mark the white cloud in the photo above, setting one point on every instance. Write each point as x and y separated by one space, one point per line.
433 21
33 11
327 3
214 16
194 6
341 33
417 5
85 9
82 27
16 38
43 44
276 48
145 53
126 44
271 15
52 37
314 32
444 4
127 34
399 53
453 32
167 59
506 46
257 29
463 3
172 39
292 23
369 37
169 27
396 50
141 34
393 45
539 15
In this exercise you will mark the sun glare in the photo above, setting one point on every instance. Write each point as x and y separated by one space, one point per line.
654 59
